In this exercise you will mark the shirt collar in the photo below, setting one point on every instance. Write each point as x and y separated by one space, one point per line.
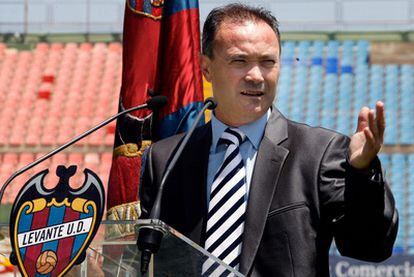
254 131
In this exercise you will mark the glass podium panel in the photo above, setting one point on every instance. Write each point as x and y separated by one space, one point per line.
112 253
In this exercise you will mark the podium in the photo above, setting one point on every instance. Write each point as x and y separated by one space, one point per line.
114 252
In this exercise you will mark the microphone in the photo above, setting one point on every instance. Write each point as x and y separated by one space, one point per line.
212 103
149 239
156 102
153 103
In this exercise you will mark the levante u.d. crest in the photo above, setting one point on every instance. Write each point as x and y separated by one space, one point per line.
148 8
50 230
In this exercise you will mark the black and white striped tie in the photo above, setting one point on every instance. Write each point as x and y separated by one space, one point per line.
227 206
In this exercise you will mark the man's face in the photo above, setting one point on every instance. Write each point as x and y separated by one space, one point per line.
244 71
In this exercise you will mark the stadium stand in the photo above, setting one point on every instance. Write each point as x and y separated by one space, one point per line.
56 91
49 95
327 83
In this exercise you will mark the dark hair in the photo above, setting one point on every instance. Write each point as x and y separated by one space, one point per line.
234 13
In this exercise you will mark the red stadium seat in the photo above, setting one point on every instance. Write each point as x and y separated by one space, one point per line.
92 158
109 140
75 158
85 46
8 168
3 139
106 157
60 158
2 48
96 138
48 78
17 137
44 91
48 139
10 158
115 47
56 46
42 47
3 178
24 160
32 139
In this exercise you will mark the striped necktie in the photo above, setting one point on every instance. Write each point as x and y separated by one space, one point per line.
227 206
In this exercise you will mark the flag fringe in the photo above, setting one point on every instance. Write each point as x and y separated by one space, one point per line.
127 211
131 149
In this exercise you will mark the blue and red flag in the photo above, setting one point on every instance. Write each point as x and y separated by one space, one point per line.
161 51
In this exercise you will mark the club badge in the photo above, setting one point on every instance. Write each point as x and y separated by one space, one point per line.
148 8
50 230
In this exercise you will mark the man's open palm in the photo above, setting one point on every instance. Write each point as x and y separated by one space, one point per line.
368 138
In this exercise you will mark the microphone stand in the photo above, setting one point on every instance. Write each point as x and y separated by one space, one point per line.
150 237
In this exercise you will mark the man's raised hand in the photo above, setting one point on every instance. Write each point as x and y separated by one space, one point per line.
368 138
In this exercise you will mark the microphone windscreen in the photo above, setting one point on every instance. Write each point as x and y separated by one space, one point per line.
157 101
212 102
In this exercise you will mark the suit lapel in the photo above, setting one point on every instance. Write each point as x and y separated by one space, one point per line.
194 170
269 162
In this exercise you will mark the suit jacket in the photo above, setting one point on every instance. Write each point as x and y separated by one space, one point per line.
303 193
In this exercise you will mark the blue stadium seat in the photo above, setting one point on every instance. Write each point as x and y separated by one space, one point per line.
318 47
314 95
299 92
343 113
376 85
406 109
284 88
303 52
288 53
282 98
333 46
397 173
347 59
360 93
329 98
410 174
328 121
398 249
362 52
406 128
385 159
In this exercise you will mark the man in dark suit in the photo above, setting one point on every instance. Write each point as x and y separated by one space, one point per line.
302 186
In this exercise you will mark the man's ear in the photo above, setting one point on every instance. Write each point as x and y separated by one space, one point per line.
205 67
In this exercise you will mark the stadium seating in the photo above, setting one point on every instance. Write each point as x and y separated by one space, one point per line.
327 83
56 91
49 95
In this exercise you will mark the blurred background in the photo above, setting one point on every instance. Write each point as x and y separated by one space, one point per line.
60 74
